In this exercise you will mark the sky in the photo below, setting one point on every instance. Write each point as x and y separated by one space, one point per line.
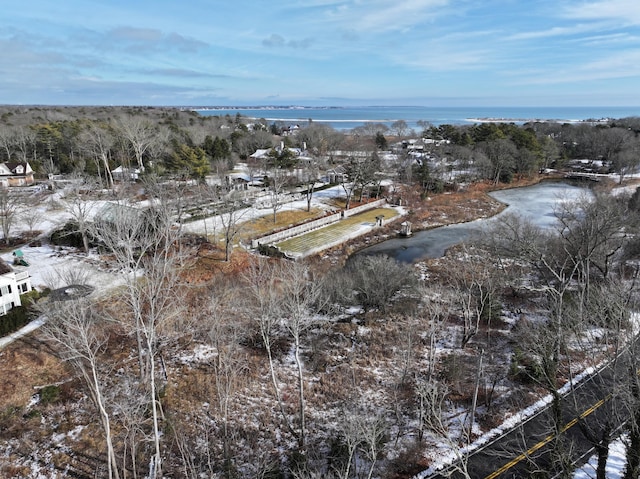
320 52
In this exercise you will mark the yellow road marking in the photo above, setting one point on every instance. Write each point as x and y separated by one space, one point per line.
547 439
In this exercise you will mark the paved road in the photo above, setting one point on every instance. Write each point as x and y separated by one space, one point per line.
527 449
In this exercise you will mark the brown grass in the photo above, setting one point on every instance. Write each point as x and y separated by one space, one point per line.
26 366
284 219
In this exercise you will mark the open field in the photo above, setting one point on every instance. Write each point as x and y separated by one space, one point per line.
263 225
336 232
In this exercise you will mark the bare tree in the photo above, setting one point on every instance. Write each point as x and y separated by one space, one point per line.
433 417
550 151
593 231
320 139
30 215
543 342
263 306
7 141
228 365
310 175
81 341
98 141
349 433
373 432
299 302
149 251
80 208
9 211
372 281
362 434
231 220
277 181
476 285
352 178
140 133
130 407
499 159
399 128
626 161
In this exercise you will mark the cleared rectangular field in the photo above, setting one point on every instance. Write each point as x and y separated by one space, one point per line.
335 233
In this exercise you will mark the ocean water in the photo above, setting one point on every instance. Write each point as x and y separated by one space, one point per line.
346 118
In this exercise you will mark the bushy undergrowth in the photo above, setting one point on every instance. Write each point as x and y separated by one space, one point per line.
369 281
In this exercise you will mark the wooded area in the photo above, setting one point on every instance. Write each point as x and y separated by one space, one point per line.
246 366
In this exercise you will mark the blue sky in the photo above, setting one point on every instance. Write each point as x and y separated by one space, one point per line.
321 52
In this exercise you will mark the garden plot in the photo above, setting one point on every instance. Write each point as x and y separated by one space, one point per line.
334 234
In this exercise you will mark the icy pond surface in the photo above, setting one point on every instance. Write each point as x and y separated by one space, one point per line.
536 203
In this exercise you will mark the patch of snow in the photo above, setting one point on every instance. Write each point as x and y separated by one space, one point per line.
200 354
615 463
48 263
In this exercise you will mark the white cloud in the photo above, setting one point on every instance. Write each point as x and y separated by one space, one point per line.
620 65
383 15
612 39
556 32
624 11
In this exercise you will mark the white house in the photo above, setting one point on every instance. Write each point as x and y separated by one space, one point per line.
13 282
16 173
121 173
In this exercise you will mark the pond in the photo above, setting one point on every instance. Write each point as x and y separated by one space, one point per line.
536 203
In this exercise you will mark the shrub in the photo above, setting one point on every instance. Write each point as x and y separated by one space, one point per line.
49 394
29 299
19 316
374 280
67 235
523 368
14 320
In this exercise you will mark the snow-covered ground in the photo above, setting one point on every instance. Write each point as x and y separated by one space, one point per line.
49 265
320 199
615 463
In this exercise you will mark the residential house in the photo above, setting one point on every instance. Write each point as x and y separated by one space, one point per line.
337 175
238 181
265 153
260 154
14 281
125 174
16 173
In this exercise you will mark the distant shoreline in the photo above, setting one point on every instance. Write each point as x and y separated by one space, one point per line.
417 118
535 120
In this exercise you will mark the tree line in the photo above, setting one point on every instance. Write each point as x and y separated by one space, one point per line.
165 141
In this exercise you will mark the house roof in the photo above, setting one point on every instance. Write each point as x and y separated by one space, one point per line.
112 212
240 176
122 169
13 167
260 153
